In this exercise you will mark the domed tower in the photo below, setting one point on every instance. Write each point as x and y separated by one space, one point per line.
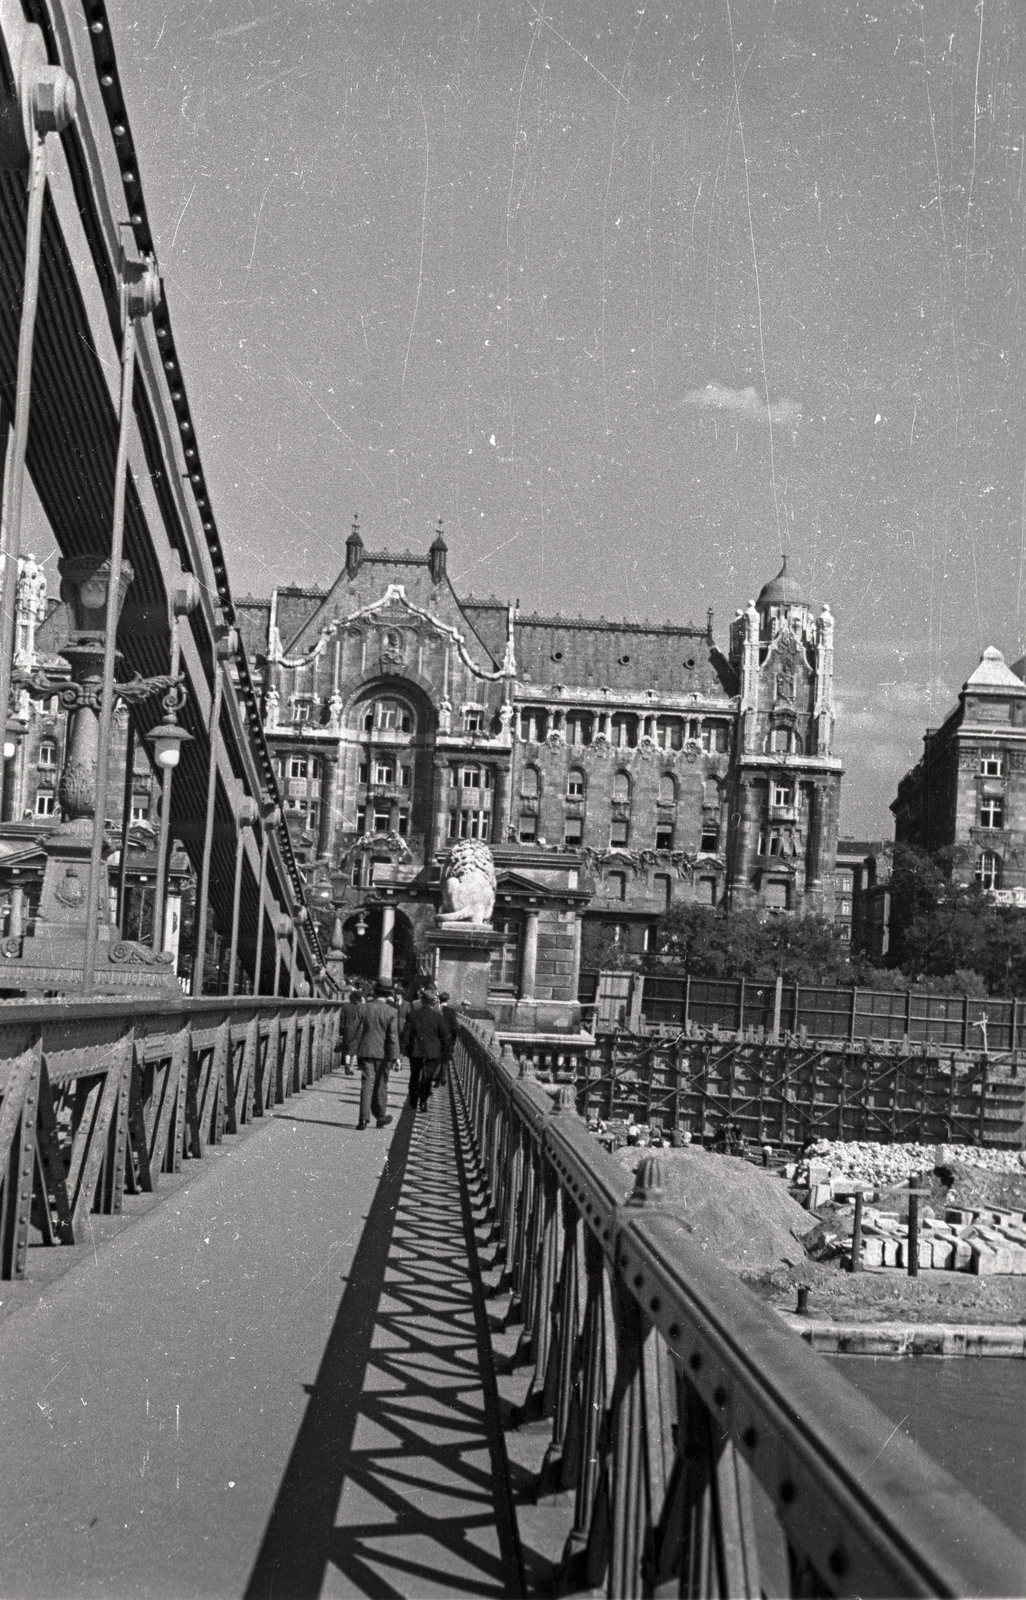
784 811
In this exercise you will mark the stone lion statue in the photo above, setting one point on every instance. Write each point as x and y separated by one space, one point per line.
468 883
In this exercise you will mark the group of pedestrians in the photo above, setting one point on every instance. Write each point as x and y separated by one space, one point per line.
376 1032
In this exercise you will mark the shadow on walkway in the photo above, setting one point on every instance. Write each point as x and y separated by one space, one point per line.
396 1483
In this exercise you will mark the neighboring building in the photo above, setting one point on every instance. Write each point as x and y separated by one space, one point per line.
862 906
602 761
968 791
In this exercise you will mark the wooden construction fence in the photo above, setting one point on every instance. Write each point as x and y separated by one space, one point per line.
783 1093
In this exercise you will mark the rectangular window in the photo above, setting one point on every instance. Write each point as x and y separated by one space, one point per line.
299 766
382 819
354 876
139 813
573 831
771 842
992 764
46 803
404 822
361 819
845 882
663 890
474 824
405 777
618 831
992 813
705 891
47 754
384 772
845 908
783 794
710 838
473 721
363 775
844 934
664 836
616 886
714 737
528 828
575 786
301 711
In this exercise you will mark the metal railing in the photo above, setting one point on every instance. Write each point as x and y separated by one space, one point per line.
99 1097
706 1449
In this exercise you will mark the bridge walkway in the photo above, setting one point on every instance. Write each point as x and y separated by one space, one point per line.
274 1383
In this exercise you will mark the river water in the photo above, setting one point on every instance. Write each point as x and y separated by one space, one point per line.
968 1413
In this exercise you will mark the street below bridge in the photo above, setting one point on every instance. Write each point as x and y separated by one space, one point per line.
273 1381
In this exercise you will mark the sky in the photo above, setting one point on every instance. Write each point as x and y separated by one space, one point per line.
635 299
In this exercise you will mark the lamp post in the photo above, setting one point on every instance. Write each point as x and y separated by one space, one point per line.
247 814
140 294
167 740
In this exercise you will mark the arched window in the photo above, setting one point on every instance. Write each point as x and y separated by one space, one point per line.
575 784
988 870
530 783
621 790
667 789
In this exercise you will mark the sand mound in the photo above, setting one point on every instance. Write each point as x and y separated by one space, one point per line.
742 1215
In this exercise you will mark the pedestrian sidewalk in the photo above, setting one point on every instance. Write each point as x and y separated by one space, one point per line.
272 1384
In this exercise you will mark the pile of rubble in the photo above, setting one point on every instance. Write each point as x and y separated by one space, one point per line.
880 1165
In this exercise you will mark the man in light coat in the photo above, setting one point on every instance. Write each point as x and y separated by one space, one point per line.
377 1049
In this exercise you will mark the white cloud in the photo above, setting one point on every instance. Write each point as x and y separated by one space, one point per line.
744 403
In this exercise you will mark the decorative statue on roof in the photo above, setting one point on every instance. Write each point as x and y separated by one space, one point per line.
468 883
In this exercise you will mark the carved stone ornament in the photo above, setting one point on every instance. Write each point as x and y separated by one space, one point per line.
968 758
127 953
70 891
555 739
1017 761
646 747
77 789
600 744
11 947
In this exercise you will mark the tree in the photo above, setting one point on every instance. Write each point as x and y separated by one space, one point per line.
713 944
948 931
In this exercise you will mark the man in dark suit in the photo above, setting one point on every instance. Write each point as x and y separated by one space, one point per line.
453 1023
350 1014
377 1049
427 1041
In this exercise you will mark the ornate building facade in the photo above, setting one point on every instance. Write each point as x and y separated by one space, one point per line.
967 793
614 768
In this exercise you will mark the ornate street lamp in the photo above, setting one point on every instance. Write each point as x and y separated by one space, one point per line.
56 954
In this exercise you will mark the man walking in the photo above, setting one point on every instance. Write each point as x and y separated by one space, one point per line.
427 1041
452 1022
350 1014
377 1048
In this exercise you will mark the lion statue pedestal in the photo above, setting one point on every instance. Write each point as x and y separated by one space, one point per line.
463 936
